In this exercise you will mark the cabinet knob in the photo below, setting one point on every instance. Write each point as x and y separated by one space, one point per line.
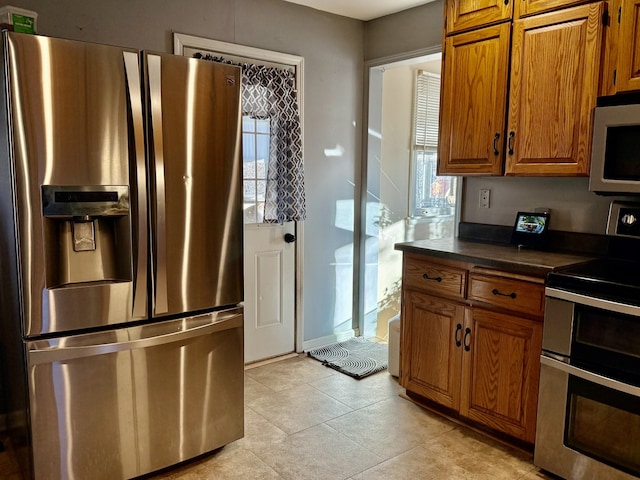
289 237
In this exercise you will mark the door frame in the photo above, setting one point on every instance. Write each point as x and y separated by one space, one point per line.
183 41
361 186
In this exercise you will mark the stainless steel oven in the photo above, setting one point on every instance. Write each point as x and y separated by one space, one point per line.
588 424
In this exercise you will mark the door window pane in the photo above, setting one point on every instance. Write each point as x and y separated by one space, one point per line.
255 161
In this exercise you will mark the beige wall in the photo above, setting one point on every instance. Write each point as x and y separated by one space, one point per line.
413 29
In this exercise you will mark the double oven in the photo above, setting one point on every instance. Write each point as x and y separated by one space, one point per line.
589 401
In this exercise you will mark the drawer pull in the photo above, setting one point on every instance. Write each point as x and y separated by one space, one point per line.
467 334
427 277
511 135
496 292
458 335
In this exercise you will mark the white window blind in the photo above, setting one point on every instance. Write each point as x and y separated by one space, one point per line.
426 108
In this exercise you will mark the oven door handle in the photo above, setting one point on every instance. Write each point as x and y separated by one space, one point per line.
594 302
590 377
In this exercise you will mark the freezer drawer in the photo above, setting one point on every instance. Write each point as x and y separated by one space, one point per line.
126 402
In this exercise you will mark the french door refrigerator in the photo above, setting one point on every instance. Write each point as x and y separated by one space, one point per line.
121 257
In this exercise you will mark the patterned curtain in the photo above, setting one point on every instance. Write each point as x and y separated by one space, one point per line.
269 93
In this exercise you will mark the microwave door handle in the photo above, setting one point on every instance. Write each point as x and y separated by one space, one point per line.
155 97
590 377
63 353
132 70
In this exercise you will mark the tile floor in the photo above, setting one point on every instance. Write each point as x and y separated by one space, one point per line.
306 421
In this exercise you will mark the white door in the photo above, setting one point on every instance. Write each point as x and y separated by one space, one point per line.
269 290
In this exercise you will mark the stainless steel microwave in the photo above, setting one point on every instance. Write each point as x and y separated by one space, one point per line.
615 149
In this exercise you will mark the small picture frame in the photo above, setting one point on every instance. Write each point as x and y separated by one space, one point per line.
530 229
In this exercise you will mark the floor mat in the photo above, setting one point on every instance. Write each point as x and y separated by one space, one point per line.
356 357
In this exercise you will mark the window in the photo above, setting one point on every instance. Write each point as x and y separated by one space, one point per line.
431 195
255 159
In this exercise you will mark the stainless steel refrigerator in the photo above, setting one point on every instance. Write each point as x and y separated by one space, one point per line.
121 257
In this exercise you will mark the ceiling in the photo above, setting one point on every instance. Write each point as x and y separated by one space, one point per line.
361 9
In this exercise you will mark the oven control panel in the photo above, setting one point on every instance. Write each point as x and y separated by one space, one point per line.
624 220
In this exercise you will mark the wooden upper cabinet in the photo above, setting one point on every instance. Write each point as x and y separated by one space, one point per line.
473 105
525 8
464 15
628 74
555 67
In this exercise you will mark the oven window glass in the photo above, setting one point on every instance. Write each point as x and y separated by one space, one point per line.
607 330
604 424
621 154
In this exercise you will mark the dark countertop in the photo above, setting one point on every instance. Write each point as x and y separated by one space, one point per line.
504 257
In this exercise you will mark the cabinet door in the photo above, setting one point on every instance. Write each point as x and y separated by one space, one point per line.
431 347
628 76
555 65
465 14
500 372
473 104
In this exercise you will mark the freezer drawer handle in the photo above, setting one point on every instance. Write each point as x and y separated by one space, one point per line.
61 354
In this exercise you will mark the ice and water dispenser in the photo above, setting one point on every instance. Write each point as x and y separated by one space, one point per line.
87 257
87 234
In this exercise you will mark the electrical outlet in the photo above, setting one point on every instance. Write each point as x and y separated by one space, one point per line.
485 196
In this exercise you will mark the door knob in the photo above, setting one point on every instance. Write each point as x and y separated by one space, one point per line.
289 237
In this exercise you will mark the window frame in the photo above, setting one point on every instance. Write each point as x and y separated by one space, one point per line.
424 139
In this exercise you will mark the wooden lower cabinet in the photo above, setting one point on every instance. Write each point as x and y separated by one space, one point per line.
431 353
482 364
500 372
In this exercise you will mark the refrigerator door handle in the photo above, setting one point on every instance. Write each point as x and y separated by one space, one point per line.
62 354
132 69
155 97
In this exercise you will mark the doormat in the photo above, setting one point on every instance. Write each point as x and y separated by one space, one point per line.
356 357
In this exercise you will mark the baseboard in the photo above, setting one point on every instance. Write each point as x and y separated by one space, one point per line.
328 340
260 363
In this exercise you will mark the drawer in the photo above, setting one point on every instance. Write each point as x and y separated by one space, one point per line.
434 278
515 295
